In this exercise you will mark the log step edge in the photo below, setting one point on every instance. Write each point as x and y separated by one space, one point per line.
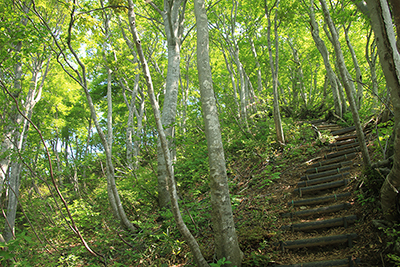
329 167
318 241
342 262
321 210
335 222
322 179
333 160
318 200
324 173
313 188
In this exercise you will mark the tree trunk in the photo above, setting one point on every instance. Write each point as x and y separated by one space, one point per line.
132 146
371 57
390 61
298 74
395 4
258 67
348 85
200 261
325 56
226 242
20 127
360 89
173 17
232 81
274 71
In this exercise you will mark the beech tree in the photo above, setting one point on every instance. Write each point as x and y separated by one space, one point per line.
16 131
79 74
274 65
348 84
226 243
164 144
389 58
335 87
173 18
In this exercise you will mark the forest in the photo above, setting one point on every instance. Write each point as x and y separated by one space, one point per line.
162 133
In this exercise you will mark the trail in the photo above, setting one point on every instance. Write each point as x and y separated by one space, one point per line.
320 223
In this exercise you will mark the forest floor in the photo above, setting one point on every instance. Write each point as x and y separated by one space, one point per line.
259 221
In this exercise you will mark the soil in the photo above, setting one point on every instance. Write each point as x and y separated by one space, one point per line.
260 212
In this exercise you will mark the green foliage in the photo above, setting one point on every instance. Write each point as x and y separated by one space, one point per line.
220 262
373 180
257 259
254 158
23 251
269 178
363 199
393 233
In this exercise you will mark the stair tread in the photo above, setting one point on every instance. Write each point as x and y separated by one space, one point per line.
320 210
316 224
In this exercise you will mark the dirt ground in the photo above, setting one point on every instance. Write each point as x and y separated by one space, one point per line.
370 246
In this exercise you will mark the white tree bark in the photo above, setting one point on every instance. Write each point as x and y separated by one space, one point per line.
258 66
348 84
226 242
371 56
200 261
173 16
298 75
325 56
274 70
232 81
17 137
132 146
390 61
360 89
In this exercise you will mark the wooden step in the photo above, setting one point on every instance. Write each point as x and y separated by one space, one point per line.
329 167
340 143
343 152
316 122
321 210
329 127
319 241
334 160
335 222
313 188
323 179
326 173
345 130
319 200
346 146
349 262
345 137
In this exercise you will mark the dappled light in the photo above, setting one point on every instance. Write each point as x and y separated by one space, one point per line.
199 133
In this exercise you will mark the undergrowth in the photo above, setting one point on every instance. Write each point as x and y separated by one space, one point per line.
254 160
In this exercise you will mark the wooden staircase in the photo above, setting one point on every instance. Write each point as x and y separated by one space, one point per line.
320 201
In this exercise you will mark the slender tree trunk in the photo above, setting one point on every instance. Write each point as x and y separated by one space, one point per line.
258 67
200 261
390 61
226 242
348 85
19 134
274 71
173 24
298 75
132 146
395 4
360 89
371 57
232 81
325 56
